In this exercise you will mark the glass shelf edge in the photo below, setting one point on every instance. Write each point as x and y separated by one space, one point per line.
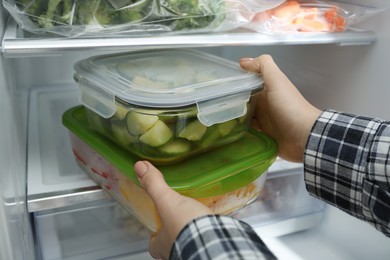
15 46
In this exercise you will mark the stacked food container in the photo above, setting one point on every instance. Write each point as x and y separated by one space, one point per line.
185 111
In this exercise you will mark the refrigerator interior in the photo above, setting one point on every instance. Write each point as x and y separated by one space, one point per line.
41 216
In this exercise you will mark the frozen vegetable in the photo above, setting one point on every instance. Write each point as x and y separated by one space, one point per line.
72 15
308 16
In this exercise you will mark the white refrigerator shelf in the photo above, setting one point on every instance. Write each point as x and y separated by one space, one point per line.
17 42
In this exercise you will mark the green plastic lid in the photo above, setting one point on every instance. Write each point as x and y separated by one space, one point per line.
215 172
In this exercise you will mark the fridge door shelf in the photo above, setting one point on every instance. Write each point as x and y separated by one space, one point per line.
17 42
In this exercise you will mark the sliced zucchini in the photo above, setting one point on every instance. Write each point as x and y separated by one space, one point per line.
176 146
138 124
193 131
121 111
98 123
242 119
121 134
226 127
192 113
249 111
211 137
157 135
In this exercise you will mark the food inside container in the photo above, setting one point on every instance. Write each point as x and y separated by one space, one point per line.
225 179
167 105
94 17
308 16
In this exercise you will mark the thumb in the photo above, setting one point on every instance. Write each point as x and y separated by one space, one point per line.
164 197
152 181
174 209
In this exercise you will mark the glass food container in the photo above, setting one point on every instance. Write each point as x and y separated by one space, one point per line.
167 105
225 179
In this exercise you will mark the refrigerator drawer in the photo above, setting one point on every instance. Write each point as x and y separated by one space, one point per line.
104 229
92 231
284 206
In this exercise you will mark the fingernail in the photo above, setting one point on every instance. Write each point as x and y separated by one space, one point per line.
246 59
140 168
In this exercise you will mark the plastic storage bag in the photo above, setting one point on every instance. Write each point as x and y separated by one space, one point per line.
135 17
75 17
308 16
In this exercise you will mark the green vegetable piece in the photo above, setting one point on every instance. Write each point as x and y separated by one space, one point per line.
105 14
46 20
176 146
249 111
193 131
242 119
211 137
138 124
158 135
67 12
129 15
121 134
121 111
98 123
226 127
92 12
189 114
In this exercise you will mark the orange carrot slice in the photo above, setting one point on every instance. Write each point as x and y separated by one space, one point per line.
287 10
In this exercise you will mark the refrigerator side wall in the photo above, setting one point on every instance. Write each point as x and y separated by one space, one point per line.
15 228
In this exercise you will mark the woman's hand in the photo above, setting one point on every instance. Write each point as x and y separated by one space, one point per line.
175 210
281 111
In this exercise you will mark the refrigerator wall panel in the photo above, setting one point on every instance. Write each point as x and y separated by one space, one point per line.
101 230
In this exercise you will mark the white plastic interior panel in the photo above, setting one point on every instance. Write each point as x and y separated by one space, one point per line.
339 237
54 179
92 231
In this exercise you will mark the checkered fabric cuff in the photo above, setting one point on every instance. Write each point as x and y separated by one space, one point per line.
219 237
347 164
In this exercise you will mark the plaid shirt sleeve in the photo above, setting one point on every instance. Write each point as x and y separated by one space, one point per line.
347 164
219 237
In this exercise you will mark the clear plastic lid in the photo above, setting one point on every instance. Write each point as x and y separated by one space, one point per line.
168 79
